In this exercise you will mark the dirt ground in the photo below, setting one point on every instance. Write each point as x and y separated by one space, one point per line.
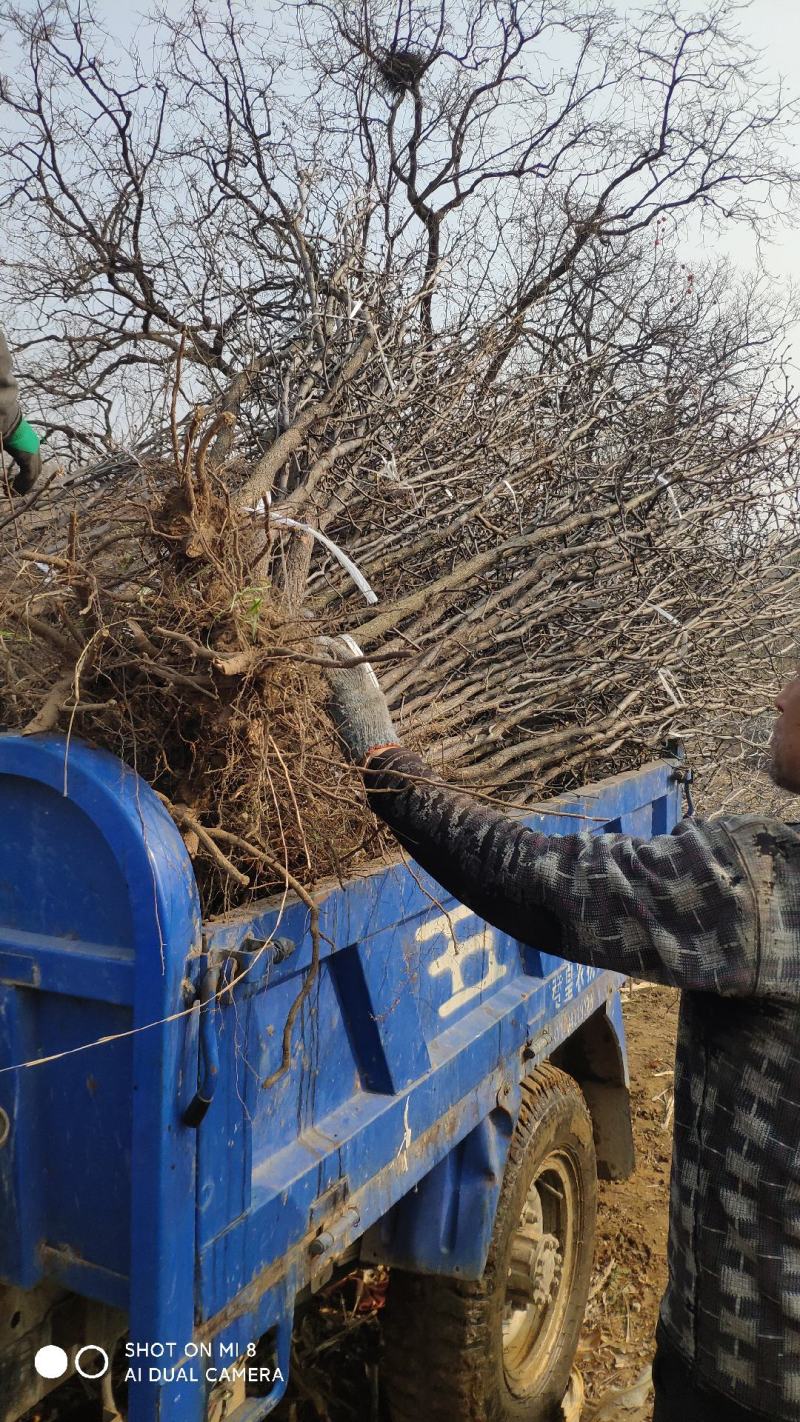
630 1258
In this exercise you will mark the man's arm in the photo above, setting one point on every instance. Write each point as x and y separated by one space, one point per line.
20 441
9 392
676 909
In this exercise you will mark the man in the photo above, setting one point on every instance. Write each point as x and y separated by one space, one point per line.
18 441
713 909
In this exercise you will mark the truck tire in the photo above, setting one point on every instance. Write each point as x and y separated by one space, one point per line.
500 1349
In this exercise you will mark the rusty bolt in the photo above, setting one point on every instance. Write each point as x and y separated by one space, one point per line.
504 1093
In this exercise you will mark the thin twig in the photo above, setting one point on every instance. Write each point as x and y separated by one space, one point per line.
184 817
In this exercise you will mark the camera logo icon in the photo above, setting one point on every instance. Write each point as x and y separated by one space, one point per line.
91 1361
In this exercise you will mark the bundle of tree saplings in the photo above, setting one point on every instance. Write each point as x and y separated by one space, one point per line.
388 351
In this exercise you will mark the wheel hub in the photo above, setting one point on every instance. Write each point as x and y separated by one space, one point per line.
534 1269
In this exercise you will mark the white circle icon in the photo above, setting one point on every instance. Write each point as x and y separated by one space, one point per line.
91 1348
51 1361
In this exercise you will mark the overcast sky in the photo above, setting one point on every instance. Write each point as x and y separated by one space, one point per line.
774 27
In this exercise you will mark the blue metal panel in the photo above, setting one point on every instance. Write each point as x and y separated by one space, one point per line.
445 1225
379 992
90 858
379 1145
95 970
614 1011
59 874
59 883
603 805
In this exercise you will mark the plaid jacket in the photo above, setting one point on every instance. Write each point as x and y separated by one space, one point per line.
712 909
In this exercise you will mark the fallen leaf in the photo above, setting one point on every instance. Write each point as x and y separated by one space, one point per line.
625 1399
574 1398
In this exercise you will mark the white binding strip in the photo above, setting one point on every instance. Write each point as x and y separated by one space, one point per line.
338 553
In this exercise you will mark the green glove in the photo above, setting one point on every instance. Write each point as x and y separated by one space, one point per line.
357 705
23 446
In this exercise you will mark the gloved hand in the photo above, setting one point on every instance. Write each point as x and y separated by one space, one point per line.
22 446
357 705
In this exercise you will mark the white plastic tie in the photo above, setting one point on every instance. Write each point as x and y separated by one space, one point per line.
339 554
662 481
671 687
662 611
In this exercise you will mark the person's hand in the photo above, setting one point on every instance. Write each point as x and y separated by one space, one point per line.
357 706
23 447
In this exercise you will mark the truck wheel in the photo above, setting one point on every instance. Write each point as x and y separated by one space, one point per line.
501 1348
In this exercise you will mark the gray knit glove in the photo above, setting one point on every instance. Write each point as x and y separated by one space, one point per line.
357 706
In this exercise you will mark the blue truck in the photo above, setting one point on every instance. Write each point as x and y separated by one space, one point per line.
171 1198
